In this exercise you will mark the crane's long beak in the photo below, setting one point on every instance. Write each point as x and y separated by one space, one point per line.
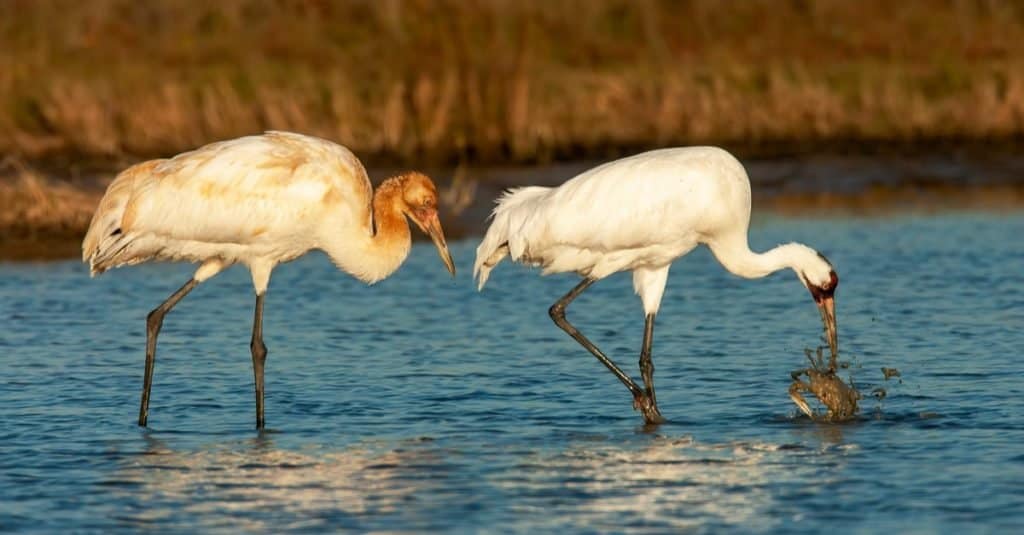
827 307
432 226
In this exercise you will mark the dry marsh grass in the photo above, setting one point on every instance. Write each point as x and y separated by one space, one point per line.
490 80
35 203
42 217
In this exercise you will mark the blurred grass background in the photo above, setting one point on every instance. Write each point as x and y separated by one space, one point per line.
504 80
89 87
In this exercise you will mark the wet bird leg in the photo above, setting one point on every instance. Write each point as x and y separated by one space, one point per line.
154 321
647 372
557 313
259 358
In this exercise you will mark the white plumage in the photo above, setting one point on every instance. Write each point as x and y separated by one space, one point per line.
259 201
639 214
256 200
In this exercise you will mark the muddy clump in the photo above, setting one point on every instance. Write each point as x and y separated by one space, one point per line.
821 381
887 373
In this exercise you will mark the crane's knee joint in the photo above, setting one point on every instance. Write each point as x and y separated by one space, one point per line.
557 311
259 350
154 319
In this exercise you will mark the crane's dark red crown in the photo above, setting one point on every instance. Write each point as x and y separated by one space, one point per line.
827 290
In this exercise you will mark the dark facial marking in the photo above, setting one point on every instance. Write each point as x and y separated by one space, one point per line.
819 293
424 210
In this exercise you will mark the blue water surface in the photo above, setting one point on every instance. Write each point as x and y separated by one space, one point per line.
420 404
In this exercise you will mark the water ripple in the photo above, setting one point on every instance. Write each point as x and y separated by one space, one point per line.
421 405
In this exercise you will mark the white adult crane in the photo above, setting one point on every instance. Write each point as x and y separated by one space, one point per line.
639 214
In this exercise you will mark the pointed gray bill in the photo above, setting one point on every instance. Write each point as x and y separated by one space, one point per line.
827 307
433 228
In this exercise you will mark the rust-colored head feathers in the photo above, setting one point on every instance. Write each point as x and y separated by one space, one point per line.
415 196
418 191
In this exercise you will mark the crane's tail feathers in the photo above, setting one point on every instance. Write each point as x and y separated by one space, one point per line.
506 221
104 230
482 270
490 251
103 243
109 253
105 237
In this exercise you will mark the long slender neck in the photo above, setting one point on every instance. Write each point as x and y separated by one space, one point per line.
735 255
374 252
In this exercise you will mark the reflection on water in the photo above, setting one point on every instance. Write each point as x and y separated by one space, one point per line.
282 489
669 483
420 405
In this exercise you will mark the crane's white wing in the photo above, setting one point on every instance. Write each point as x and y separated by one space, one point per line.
272 187
238 190
643 210
646 199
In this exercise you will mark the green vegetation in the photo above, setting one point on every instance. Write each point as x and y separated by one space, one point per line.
500 80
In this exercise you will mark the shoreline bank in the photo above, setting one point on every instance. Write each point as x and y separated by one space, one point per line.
49 211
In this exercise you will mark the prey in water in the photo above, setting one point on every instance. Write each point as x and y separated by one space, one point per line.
821 381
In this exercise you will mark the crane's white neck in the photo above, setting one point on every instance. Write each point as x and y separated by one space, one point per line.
374 252
735 255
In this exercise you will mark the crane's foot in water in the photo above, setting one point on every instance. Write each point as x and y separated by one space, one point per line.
649 408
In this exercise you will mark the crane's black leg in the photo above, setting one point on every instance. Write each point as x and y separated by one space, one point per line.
557 312
259 357
154 321
647 367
